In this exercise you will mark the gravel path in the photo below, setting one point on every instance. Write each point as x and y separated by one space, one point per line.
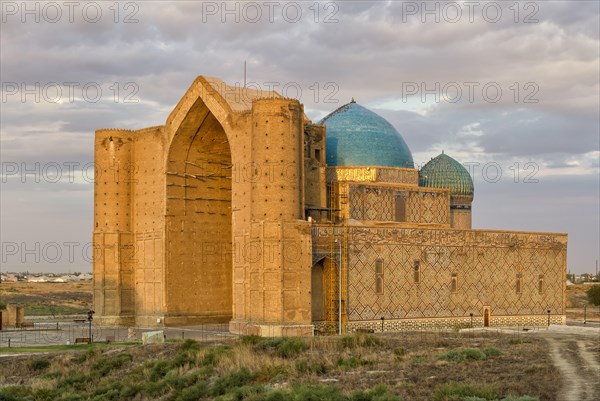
578 359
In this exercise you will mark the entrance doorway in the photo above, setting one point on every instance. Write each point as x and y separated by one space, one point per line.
486 316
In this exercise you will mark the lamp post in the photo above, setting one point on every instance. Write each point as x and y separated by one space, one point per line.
90 317
584 314
548 317
471 314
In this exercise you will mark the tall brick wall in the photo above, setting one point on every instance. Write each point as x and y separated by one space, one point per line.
390 203
190 204
113 232
148 223
485 264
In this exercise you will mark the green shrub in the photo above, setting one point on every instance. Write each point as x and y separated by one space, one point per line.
189 345
474 354
277 395
284 347
154 389
194 393
71 397
417 360
457 355
316 392
246 393
131 390
75 380
87 355
185 358
53 375
593 294
351 363
175 380
232 380
271 343
212 357
39 364
492 352
270 372
251 340
399 353
14 393
459 391
108 393
316 368
105 365
160 369
291 347
377 393
360 340
45 394
452 355
523 398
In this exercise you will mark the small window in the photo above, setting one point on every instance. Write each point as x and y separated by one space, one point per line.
541 284
318 154
379 285
400 206
379 276
454 283
379 266
518 283
417 272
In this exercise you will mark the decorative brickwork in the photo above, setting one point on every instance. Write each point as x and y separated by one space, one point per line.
208 218
452 323
483 263
394 175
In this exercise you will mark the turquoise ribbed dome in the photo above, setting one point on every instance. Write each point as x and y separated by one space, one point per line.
358 137
445 172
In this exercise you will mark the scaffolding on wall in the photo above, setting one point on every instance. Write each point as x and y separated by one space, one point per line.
336 266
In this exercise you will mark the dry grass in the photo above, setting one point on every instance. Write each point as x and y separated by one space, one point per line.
407 364
48 298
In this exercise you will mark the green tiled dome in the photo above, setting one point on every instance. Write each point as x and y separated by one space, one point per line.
358 137
445 172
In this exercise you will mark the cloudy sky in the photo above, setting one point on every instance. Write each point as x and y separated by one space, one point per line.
510 89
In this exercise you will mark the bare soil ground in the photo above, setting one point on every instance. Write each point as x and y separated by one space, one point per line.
48 298
578 360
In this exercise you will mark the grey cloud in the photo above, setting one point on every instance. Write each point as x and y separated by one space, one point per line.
368 54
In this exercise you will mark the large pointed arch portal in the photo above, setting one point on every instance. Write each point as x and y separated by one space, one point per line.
198 278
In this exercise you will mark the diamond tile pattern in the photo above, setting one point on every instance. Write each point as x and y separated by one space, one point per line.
486 264
375 203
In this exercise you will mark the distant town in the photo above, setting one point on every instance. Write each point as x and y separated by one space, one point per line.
13 277
583 278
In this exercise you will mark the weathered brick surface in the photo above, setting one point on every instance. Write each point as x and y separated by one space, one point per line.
212 217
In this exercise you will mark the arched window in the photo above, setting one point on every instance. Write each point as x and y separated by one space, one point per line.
519 283
379 276
417 272
454 283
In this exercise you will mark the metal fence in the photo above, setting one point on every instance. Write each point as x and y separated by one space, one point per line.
64 332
